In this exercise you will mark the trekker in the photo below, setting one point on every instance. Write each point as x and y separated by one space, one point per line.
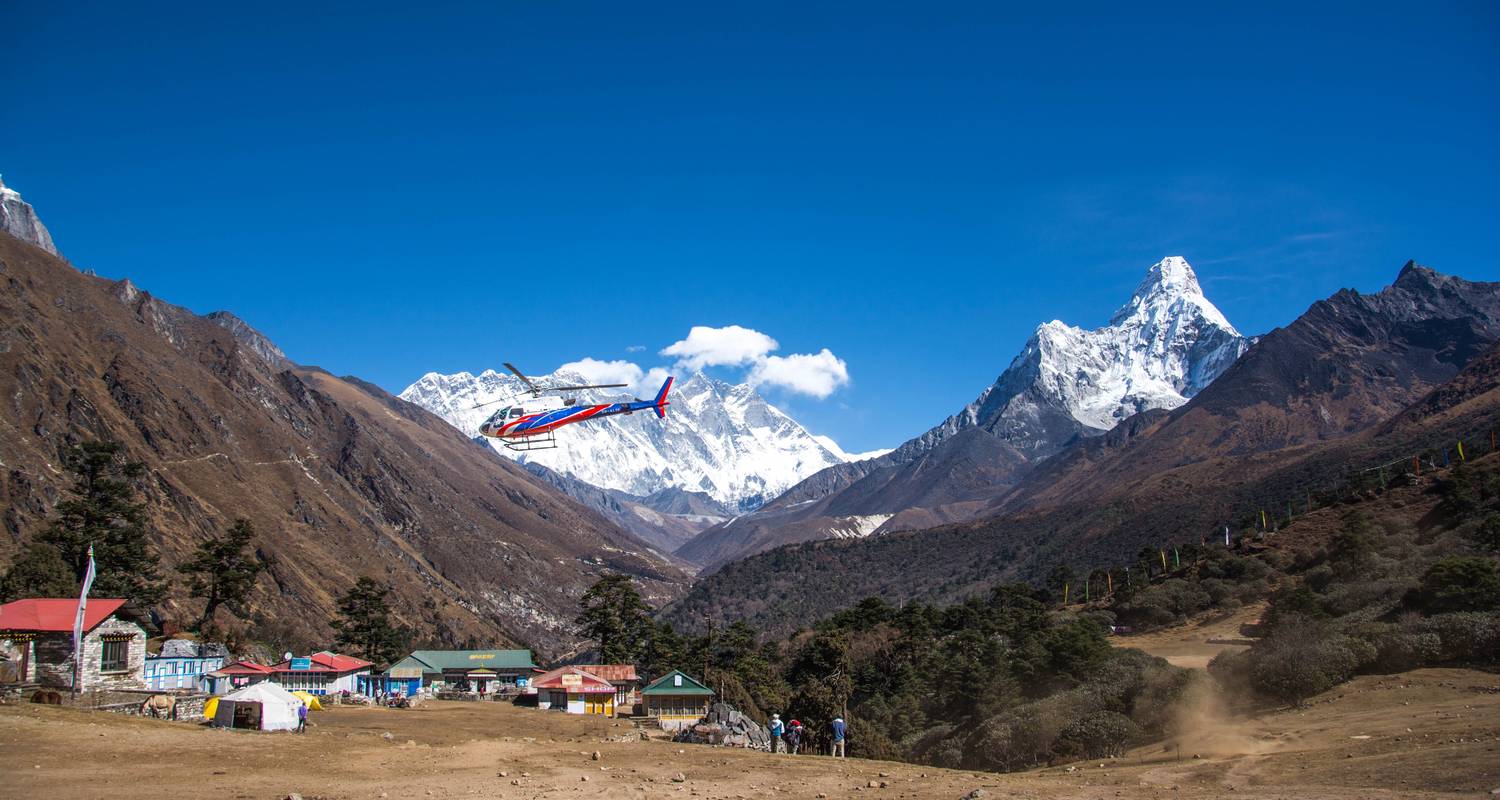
777 729
837 727
302 718
794 737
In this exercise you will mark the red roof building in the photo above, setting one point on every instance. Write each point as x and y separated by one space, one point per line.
576 691
37 635
237 675
246 668
627 683
54 614
323 673
614 673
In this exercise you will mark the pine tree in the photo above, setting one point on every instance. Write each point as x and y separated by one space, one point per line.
365 626
38 572
221 572
103 514
614 615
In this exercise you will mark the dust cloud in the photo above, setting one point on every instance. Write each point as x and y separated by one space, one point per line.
1203 725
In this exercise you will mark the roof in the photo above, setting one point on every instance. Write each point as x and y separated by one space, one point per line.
619 673
667 684
588 682
327 662
440 660
245 668
54 614
187 648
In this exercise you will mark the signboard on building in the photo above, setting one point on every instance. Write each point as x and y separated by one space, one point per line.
572 679
301 664
406 672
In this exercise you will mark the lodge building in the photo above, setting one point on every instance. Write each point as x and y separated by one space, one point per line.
36 635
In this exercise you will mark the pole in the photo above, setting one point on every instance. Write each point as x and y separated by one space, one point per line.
708 650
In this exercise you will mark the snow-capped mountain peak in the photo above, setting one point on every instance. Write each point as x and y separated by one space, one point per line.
719 438
1169 290
1159 349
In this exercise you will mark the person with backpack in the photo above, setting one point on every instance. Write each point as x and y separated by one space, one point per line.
837 728
794 737
777 729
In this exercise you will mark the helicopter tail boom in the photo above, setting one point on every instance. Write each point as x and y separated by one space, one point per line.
661 404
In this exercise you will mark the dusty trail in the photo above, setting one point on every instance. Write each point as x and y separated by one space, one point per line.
1195 644
450 750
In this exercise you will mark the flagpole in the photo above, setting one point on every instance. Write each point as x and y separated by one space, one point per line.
83 603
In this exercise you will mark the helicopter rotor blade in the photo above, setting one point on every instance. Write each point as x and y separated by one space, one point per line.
482 405
535 391
594 386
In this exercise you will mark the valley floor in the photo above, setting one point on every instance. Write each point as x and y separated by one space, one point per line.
1427 733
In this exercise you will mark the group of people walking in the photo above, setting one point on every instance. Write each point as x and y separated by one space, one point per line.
791 737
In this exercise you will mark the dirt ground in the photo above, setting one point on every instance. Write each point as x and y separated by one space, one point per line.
1428 733
1194 645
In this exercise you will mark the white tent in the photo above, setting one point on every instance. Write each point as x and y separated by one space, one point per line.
263 706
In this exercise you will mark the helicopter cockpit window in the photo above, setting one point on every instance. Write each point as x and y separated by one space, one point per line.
516 412
499 415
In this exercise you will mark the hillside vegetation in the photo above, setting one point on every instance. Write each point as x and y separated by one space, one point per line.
1385 580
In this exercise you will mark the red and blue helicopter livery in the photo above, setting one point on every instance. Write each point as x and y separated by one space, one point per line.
531 426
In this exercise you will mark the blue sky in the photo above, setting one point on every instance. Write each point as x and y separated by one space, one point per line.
911 186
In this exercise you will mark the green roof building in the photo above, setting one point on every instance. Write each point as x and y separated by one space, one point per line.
483 671
676 700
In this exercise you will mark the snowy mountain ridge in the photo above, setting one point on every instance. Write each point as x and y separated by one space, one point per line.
721 439
1159 349
1165 344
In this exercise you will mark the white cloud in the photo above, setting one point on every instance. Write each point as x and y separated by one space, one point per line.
730 346
595 371
638 381
815 374
635 348
648 386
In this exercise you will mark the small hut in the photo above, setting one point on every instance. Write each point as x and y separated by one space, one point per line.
627 684
575 691
676 701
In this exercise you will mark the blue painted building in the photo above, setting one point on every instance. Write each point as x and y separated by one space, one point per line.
182 664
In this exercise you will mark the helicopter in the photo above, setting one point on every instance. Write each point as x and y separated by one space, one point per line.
532 426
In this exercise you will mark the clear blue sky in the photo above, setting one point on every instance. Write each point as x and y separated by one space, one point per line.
912 186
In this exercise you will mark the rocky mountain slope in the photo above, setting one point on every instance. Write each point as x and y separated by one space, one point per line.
1162 347
19 219
340 479
1357 381
666 520
720 439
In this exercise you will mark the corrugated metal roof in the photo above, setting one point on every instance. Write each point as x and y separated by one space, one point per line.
440 660
666 685
327 662
591 683
612 672
54 614
245 668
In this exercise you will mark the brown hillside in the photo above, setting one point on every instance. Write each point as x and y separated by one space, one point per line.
340 478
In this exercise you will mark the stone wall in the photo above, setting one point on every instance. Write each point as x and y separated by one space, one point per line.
54 664
189 706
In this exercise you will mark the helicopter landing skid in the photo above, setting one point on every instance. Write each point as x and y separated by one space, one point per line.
546 441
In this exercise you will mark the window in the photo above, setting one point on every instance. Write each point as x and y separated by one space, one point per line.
115 655
516 412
